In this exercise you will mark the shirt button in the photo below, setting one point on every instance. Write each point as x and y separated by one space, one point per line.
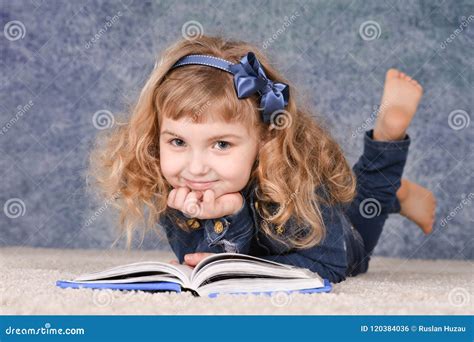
218 227
193 223
280 230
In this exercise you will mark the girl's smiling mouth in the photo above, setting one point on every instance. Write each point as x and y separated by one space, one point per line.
199 185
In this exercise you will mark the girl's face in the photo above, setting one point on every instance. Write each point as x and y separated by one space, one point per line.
211 155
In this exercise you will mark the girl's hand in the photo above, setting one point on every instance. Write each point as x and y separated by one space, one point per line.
194 258
204 205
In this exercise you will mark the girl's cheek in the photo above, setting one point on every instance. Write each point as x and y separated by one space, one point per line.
170 167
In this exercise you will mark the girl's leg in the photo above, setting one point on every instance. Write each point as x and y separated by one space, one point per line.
418 204
379 173
380 168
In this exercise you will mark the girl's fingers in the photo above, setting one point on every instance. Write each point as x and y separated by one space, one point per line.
192 196
171 198
208 202
180 197
191 205
208 197
194 258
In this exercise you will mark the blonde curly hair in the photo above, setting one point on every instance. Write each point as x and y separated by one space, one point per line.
291 164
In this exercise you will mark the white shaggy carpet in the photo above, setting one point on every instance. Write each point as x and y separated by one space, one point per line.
392 286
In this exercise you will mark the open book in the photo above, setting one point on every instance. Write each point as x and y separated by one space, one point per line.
215 274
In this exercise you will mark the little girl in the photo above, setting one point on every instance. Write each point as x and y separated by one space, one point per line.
224 158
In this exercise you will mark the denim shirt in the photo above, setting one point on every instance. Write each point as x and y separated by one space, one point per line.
240 233
337 256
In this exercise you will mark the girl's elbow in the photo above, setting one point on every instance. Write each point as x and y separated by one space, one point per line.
334 274
337 277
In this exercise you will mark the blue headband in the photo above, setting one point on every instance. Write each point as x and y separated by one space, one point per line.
249 78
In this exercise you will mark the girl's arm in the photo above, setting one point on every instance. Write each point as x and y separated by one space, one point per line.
231 233
329 258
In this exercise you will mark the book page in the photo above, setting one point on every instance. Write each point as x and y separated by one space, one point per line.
236 268
239 266
183 272
259 285
227 256
127 279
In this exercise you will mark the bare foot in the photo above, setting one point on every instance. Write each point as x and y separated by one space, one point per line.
417 204
400 100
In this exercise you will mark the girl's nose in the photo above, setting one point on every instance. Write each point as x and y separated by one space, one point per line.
197 166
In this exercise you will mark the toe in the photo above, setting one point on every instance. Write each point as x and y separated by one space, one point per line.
428 227
392 73
416 84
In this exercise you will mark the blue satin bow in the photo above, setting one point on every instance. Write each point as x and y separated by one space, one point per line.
249 78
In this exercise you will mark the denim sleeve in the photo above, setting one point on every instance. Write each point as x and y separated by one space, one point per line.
231 233
329 258
235 233
181 242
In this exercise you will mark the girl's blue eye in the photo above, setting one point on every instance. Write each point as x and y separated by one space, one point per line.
225 143
171 142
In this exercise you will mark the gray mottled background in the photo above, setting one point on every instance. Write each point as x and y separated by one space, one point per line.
64 61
